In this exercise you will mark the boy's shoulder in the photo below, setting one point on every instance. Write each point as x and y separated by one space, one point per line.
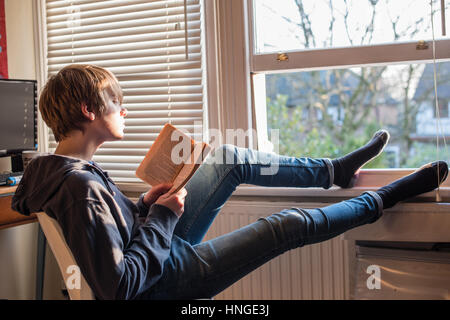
73 176
85 178
81 186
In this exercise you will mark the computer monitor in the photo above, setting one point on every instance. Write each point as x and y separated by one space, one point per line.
18 109
18 116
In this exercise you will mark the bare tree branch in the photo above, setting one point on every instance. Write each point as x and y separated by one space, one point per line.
346 23
370 27
305 24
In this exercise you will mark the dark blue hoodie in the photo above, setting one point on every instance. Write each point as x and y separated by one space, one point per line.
119 246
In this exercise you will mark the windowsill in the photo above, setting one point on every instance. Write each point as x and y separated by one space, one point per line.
368 180
319 193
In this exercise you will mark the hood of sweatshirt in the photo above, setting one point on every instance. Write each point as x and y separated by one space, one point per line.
43 178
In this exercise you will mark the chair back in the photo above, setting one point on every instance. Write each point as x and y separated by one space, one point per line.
76 284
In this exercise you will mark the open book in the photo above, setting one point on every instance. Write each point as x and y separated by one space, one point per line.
173 158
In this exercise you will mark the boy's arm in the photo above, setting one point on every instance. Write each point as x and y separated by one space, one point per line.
112 270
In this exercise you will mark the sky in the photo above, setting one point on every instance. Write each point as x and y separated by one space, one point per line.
279 35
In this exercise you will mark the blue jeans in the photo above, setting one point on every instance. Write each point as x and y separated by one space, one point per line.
198 269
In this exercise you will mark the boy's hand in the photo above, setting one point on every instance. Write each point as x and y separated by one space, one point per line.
155 192
174 202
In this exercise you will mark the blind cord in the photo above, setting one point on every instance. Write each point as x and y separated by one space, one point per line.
186 30
169 97
436 101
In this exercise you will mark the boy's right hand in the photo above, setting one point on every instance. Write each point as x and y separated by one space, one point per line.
174 202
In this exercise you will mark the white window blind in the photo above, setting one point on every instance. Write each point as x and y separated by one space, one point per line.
144 44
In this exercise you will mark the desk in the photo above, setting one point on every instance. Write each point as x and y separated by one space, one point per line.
10 218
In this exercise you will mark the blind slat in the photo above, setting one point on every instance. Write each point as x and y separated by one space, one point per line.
161 113
90 5
157 36
149 68
163 98
190 127
164 105
61 3
158 22
130 86
179 58
120 47
163 120
115 14
147 29
162 90
173 74
124 54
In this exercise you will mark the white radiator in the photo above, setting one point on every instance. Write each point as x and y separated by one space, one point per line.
317 271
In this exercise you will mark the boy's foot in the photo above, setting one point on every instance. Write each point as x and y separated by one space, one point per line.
425 179
347 166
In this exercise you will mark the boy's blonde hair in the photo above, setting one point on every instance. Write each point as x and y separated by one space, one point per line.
77 84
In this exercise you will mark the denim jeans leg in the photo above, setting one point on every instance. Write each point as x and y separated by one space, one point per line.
205 269
229 166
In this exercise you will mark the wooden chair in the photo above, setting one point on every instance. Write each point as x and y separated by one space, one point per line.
77 288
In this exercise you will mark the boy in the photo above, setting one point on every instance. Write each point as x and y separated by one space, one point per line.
153 249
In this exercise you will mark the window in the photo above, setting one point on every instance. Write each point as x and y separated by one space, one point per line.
308 24
156 56
333 72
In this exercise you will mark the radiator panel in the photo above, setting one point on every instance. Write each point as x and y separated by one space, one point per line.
318 271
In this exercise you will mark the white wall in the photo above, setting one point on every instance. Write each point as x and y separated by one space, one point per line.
20 39
18 245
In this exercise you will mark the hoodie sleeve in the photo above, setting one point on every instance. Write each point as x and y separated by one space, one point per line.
143 208
113 270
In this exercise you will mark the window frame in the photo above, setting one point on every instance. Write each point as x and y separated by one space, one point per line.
319 59
40 36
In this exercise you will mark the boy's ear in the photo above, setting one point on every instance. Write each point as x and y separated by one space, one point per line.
88 114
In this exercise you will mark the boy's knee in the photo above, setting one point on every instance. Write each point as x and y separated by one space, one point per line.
287 226
225 154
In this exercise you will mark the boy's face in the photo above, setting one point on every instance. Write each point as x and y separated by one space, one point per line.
112 123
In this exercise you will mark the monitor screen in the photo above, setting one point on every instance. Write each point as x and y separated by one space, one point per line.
18 116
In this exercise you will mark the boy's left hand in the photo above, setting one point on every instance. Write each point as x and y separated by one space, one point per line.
155 192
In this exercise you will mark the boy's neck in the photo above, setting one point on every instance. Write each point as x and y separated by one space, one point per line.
77 146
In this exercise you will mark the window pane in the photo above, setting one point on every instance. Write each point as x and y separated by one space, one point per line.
284 25
329 113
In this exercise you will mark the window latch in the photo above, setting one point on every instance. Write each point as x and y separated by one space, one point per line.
422 45
282 57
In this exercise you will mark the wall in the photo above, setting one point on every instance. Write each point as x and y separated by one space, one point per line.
20 39
18 245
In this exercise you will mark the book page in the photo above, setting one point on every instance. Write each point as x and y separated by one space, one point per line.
161 170
166 156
